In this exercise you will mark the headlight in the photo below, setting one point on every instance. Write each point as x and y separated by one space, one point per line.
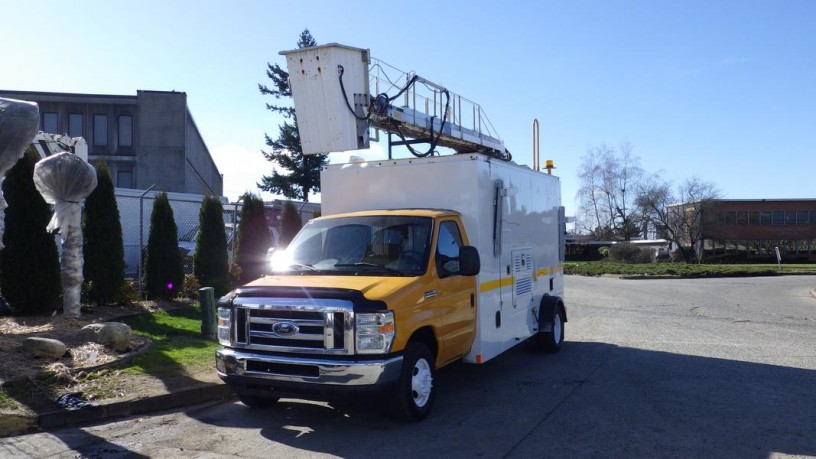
375 332
224 326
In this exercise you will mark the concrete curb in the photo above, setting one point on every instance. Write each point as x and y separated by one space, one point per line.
178 399
67 418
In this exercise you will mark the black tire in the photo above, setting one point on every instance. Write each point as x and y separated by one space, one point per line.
256 401
550 337
414 393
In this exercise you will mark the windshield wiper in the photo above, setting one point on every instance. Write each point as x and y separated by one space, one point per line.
302 267
370 267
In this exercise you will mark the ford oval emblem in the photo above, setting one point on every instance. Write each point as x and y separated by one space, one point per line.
284 328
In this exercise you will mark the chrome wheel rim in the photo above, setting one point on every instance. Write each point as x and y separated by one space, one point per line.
421 383
557 328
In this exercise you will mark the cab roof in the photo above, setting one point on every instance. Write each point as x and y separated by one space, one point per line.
433 213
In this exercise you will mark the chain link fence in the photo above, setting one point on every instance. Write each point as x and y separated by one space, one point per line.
136 206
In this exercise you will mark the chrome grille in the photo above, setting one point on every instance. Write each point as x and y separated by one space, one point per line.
294 325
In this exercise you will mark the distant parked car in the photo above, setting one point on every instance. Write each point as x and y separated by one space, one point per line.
187 245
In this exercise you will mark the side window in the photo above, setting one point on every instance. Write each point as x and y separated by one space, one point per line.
447 248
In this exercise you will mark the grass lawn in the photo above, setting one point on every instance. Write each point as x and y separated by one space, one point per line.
177 342
598 268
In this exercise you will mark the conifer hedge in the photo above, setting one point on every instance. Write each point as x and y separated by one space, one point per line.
290 223
210 259
253 239
103 250
29 263
164 271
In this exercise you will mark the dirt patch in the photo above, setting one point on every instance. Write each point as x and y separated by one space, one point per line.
31 384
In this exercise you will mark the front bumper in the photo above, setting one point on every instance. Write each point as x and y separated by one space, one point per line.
270 370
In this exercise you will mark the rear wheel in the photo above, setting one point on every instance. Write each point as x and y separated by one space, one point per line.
550 336
554 339
414 393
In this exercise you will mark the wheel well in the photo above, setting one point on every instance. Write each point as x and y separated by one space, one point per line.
426 336
548 301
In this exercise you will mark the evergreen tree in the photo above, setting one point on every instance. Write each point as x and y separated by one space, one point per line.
290 223
29 264
210 259
103 250
253 239
304 176
164 271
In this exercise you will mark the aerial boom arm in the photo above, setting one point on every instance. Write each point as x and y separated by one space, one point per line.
48 144
332 87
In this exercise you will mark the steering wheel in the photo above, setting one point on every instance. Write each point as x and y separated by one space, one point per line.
410 259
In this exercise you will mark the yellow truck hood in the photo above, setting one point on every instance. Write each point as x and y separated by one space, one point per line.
372 287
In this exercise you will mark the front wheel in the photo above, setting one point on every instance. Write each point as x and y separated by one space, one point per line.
414 394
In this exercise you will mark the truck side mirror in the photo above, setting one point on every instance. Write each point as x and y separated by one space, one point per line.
469 262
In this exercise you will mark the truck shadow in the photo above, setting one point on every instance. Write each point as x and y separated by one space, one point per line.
592 399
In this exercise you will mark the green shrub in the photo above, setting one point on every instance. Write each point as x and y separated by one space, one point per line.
210 259
103 250
29 263
253 239
191 287
164 272
629 253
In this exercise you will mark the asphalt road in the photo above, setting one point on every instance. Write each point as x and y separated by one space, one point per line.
652 368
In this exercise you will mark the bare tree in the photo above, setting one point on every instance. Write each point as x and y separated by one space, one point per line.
609 182
677 216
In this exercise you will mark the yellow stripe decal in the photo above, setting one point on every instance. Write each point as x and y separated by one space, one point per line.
551 270
494 284
508 281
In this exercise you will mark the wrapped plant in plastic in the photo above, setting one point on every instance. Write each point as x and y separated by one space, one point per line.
64 180
18 126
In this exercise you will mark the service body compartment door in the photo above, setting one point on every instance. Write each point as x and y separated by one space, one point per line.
523 272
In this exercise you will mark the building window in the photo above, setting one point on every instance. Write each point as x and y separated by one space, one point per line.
813 217
730 218
779 218
124 179
753 218
49 122
765 218
742 218
125 131
75 125
100 127
790 218
802 218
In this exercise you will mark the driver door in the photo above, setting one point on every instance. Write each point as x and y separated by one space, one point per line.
455 298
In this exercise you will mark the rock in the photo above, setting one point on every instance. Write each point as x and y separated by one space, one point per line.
45 347
115 335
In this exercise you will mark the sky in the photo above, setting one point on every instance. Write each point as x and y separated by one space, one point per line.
722 90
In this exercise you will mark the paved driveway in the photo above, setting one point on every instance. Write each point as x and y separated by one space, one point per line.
657 368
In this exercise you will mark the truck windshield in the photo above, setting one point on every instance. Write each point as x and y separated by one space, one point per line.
368 246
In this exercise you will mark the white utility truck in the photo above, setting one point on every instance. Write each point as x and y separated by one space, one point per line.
417 262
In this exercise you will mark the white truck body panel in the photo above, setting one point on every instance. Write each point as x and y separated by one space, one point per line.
529 263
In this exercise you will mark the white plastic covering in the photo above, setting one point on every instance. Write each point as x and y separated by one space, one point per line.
64 180
19 121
